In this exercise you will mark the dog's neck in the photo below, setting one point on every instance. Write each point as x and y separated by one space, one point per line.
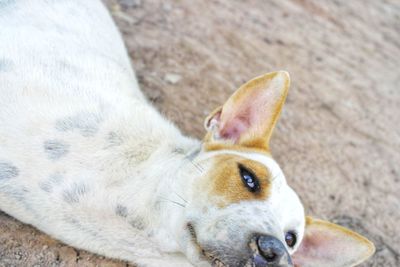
150 183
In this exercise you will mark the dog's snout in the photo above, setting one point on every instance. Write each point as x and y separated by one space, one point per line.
270 248
272 251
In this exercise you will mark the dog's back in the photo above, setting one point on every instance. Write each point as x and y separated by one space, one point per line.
60 51
56 58
68 100
75 127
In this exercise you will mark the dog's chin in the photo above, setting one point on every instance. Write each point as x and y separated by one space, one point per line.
208 256
204 254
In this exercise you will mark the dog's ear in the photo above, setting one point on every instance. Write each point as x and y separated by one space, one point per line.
250 114
329 245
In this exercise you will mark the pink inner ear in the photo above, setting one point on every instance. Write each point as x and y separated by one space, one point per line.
246 117
312 249
234 130
251 112
235 127
327 247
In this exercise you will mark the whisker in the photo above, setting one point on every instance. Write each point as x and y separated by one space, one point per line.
174 202
273 178
201 167
190 157
180 197
197 166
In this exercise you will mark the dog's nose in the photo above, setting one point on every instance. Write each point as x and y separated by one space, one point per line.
273 251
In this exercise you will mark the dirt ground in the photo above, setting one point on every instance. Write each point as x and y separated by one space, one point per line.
338 139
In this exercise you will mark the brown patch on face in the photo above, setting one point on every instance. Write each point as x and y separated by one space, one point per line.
227 184
214 146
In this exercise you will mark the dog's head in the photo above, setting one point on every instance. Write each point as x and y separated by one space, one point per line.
241 211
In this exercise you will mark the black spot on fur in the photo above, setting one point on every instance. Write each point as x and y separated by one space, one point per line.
113 139
8 171
5 64
55 149
86 123
19 195
64 65
15 193
81 226
121 211
6 3
53 180
138 223
178 150
74 193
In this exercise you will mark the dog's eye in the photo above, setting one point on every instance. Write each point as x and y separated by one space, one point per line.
249 179
290 239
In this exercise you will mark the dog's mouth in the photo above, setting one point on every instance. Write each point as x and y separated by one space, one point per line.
215 261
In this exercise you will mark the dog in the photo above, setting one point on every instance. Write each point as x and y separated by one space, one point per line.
85 158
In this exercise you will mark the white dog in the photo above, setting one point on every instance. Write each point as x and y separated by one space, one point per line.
86 159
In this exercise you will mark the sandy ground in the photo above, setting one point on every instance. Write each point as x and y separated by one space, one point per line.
338 140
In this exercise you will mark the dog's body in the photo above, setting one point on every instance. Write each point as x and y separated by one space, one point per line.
85 158
75 128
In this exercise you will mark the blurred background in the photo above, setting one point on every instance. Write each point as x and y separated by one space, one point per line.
338 139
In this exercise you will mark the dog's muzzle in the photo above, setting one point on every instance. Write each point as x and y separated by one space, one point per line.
268 251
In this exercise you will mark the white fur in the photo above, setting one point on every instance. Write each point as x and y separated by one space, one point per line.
282 211
85 158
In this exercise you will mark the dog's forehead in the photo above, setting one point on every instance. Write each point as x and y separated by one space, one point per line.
264 160
227 184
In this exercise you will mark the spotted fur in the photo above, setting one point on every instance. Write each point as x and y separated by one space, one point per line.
86 159
55 149
8 171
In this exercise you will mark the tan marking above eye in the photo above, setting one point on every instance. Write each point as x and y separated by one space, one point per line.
227 184
212 146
